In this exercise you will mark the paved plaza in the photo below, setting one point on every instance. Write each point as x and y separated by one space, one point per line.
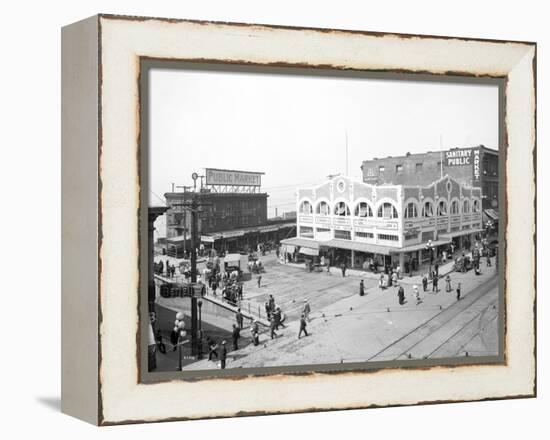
346 327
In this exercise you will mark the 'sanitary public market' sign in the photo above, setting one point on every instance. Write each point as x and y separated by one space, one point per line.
458 157
231 177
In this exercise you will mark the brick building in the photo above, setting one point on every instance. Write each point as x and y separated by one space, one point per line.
233 216
476 167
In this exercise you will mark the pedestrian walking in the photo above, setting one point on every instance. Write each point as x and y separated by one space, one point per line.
223 356
436 269
458 290
277 315
401 295
416 293
306 310
267 310
240 291
160 345
214 287
272 326
381 281
236 334
425 282
434 283
394 279
303 326
212 348
488 259
448 282
255 330
327 261
361 288
343 269
259 280
239 318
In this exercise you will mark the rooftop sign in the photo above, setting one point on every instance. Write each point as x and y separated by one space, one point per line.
216 176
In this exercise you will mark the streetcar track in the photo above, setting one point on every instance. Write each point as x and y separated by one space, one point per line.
426 323
478 315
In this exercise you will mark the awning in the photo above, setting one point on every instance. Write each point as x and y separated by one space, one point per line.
459 233
358 246
416 247
309 251
232 258
492 214
301 242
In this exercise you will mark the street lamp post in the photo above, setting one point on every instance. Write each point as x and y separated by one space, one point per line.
199 303
180 329
430 247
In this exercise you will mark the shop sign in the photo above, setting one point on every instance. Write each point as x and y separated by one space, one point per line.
476 168
207 239
457 157
216 176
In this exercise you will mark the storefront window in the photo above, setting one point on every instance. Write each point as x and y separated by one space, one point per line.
345 235
475 206
341 209
363 210
387 210
442 208
305 208
322 208
411 211
428 209
454 207
466 206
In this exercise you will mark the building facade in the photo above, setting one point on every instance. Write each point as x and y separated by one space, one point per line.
476 166
221 211
360 223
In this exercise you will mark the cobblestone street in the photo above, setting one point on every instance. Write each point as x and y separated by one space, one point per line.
346 327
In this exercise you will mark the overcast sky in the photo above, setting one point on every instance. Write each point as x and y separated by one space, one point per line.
293 128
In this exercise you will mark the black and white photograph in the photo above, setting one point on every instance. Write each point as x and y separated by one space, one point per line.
311 218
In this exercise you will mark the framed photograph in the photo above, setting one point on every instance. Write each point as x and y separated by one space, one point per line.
264 219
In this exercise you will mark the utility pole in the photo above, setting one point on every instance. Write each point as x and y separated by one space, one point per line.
185 189
194 206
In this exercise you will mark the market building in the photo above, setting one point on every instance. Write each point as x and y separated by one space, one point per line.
233 214
475 166
374 226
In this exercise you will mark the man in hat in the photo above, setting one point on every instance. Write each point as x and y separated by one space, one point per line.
254 329
307 310
212 346
272 326
277 315
239 318
401 295
361 288
302 326
223 355
236 334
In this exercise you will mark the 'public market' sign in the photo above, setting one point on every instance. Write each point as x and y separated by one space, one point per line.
231 177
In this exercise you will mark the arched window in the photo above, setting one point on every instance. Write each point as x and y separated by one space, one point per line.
322 208
306 208
455 207
411 211
387 210
341 208
363 210
442 208
466 206
475 206
428 209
